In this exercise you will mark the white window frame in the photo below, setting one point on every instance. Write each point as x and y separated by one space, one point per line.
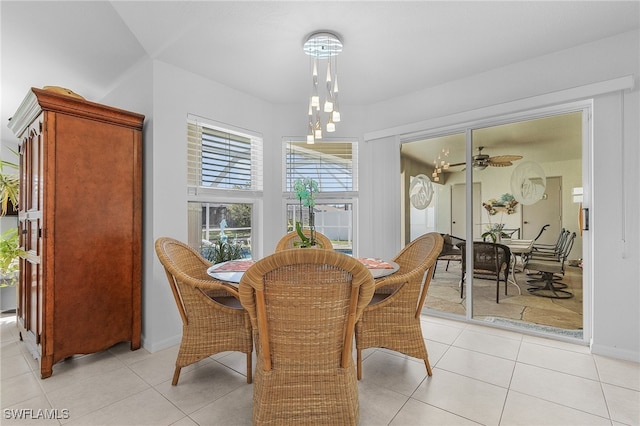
326 197
254 196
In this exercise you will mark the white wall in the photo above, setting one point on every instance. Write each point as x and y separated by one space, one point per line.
614 220
538 83
379 231
175 93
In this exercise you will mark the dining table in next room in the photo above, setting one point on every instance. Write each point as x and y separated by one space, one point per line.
519 248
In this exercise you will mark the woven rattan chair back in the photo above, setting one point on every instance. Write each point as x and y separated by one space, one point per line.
303 306
392 319
213 320
491 260
292 240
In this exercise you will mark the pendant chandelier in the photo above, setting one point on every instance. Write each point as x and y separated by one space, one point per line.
440 164
323 47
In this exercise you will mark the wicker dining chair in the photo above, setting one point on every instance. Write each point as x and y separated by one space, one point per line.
213 319
292 238
392 319
303 306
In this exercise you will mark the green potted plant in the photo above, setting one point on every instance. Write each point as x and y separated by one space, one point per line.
9 186
222 251
10 250
305 189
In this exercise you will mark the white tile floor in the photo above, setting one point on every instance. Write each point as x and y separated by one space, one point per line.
481 376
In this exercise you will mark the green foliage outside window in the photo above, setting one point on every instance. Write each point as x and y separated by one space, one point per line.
222 251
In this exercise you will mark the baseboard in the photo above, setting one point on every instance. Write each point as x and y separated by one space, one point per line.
163 344
617 353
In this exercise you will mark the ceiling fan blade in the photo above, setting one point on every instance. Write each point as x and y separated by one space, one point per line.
504 158
497 161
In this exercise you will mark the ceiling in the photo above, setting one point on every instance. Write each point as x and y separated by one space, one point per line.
391 48
554 138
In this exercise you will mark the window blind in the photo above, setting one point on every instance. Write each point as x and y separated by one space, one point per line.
331 164
223 159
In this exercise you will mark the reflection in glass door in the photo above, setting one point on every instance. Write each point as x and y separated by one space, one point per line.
438 160
505 159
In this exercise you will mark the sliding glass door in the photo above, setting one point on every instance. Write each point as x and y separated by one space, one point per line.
496 188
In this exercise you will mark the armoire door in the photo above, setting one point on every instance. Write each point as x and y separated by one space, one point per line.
30 227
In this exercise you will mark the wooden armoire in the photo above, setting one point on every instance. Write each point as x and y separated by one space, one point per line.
80 221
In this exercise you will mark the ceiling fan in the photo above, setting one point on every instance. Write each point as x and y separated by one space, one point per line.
481 161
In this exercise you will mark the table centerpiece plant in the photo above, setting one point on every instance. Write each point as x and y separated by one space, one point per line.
305 189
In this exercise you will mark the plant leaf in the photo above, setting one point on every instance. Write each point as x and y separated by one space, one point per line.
304 238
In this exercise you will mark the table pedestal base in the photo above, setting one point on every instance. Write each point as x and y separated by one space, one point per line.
550 290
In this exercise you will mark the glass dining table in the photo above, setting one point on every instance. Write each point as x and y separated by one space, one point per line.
233 270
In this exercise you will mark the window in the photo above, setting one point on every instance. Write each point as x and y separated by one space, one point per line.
333 165
212 223
224 186
220 158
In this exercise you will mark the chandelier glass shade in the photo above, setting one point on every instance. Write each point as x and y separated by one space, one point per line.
323 49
